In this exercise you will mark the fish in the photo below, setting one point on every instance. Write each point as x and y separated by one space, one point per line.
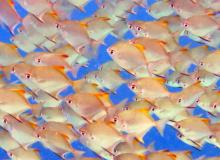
62 128
49 79
18 130
194 128
189 96
151 30
188 8
154 50
160 9
209 63
37 9
135 122
161 155
9 16
130 58
7 142
69 28
87 105
51 59
111 81
150 88
128 156
98 28
9 54
58 142
53 114
23 154
198 25
164 108
93 132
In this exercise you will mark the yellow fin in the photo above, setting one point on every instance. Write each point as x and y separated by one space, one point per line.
139 47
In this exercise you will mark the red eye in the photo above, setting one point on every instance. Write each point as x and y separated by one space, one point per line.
214 106
178 126
5 121
38 135
13 69
138 28
112 51
201 63
10 154
38 60
133 86
28 75
172 5
115 119
82 132
69 101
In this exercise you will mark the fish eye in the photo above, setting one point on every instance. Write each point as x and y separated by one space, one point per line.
38 136
198 78
5 121
112 51
130 26
125 108
28 75
214 106
172 5
10 154
133 86
115 119
43 127
211 136
69 101
197 101
201 63
82 132
139 28
179 100
38 60
103 6
180 135
58 25
13 69
177 126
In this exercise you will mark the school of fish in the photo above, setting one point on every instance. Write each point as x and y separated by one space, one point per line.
33 109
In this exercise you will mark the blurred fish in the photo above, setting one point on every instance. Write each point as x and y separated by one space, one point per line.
153 49
160 9
210 63
7 142
36 8
149 88
86 105
130 58
189 96
8 15
200 25
9 54
23 154
18 130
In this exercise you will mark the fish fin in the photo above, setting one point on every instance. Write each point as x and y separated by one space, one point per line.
160 80
160 125
206 120
139 47
172 155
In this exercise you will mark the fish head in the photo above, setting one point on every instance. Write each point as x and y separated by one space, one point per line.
212 140
134 87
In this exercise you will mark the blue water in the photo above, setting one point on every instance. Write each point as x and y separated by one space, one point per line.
168 140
